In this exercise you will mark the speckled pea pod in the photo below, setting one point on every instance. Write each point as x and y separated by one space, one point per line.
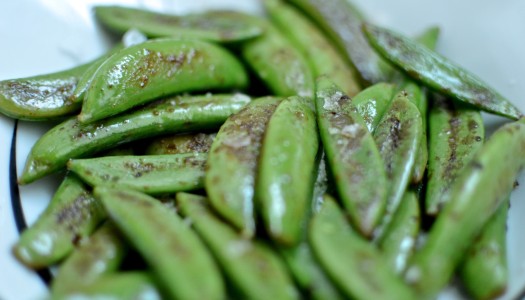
278 63
70 217
399 240
284 184
353 263
353 157
181 143
323 56
252 267
151 174
232 163
71 139
215 26
484 271
342 21
372 102
482 186
101 254
397 136
438 72
456 132
177 257
141 73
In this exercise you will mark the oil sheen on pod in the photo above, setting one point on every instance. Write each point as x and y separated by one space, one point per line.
372 102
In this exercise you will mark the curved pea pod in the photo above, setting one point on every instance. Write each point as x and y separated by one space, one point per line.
372 102
69 218
397 136
214 26
232 163
177 257
475 195
252 267
353 263
353 157
101 254
141 73
278 63
181 143
456 133
286 172
323 56
399 240
484 271
151 174
438 72
342 21
71 139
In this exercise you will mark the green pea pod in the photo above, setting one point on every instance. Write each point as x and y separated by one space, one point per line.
438 72
353 157
177 257
399 240
71 139
254 270
456 133
278 63
156 68
131 285
101 254
323 56
341 20
397 136
214 26
287 161
484 271
429 37
372 102
181 143
353 263
69 218
150 174
475 195
232 163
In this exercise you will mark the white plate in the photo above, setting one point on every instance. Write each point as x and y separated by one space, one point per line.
42 36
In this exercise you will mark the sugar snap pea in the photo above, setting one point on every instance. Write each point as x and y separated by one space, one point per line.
354 264
232 163
71 139
177 257
101 254
323 56
438 72
216 26
456 132
181 143
255 270
476 194
70 217
287 161
352 156
140 73
372 102
151 174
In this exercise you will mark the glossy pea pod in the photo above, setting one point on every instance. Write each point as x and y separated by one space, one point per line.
141 73
181 143
232 163
353 263
286 169
99 255
179 260
70 217
476 194
253 268
71 139
352 156
438 72
372 102
322 55
214 26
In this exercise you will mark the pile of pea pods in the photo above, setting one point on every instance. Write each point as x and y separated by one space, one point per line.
304 154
